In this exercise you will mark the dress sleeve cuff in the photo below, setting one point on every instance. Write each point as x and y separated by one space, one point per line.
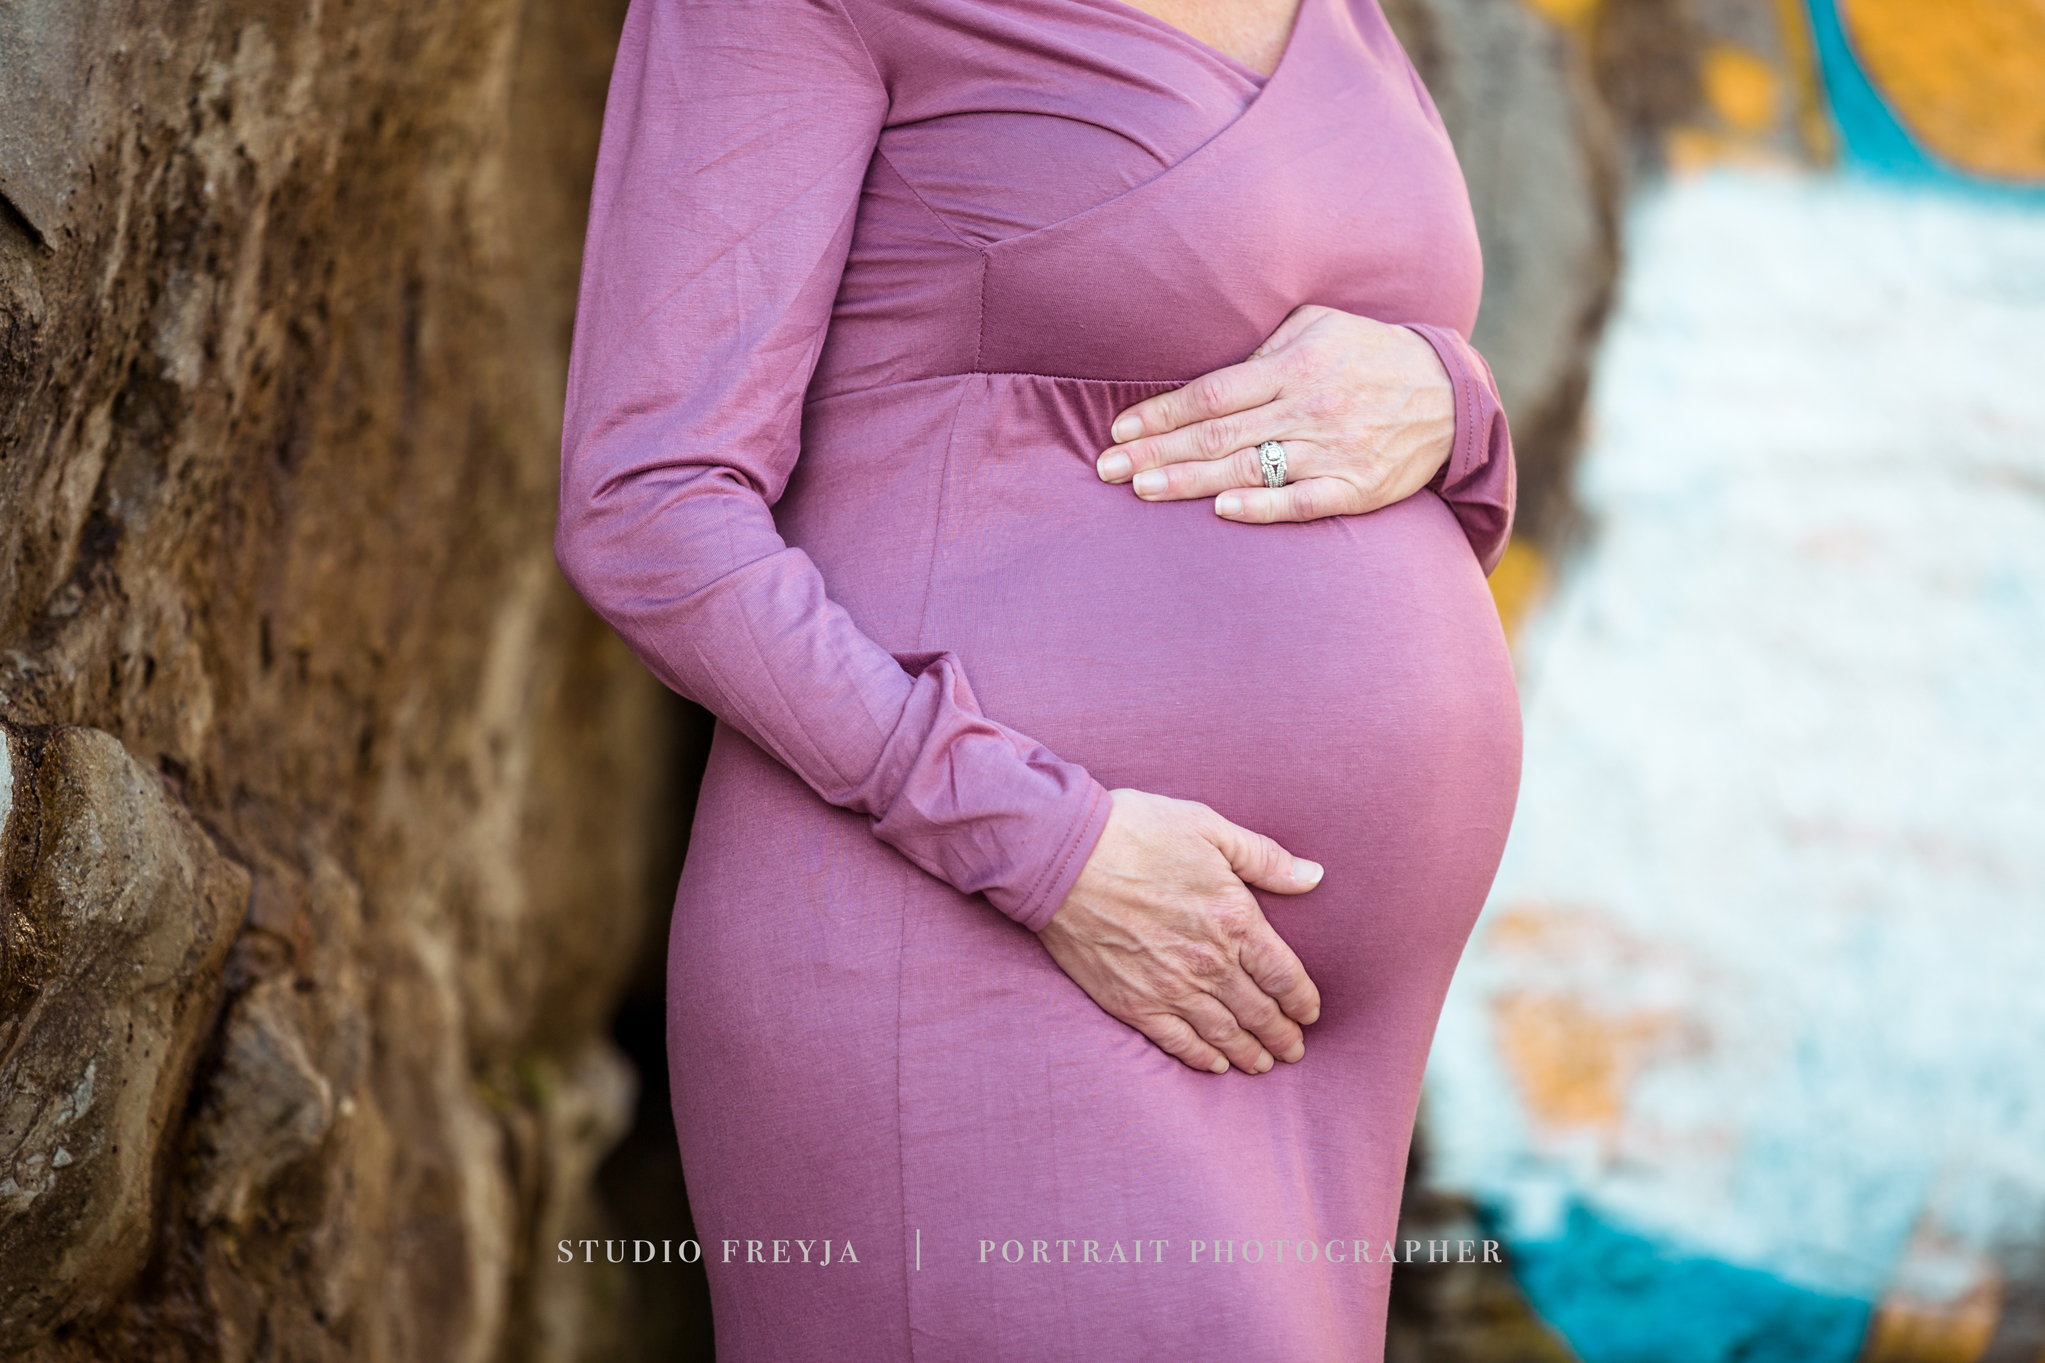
983 808
1478 482
1036 907
1472 396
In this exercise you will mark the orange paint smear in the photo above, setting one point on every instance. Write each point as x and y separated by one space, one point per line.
1967 77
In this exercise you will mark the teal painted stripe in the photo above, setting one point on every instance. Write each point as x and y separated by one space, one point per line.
1870 134
1617 1297
1871 137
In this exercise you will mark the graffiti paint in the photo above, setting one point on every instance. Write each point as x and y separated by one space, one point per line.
1966 77
1745 1055
1952 92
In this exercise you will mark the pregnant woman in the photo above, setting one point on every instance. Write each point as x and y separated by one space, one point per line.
1043 432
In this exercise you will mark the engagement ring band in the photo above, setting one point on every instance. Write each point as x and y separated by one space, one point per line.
1271 458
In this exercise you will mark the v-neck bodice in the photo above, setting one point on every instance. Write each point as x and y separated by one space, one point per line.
1080 151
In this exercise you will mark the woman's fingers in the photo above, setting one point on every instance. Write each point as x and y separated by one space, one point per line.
1282 977
1237 388
1234 483
1205 1037
1176 1038
1272 972
1222 1027
1260 861
1161 932
1178 482
1261 1018
1307 500
1233 389
1367 406
1218 439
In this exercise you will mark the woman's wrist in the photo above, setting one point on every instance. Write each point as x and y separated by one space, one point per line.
1067 861
1459 383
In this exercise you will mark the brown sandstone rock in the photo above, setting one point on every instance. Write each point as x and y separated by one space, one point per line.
284 302
119 914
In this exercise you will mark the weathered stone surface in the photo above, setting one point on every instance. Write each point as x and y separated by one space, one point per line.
63 65
1539 152
118 913
270 1103
284 303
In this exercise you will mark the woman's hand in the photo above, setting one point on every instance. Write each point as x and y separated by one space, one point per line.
1161 932
1365 411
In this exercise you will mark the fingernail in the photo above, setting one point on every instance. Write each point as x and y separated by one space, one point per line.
1297 1053
1113 467
1149 483
1220 1065
1228 504
1306 872
1311 1018
1264 1061
1126 428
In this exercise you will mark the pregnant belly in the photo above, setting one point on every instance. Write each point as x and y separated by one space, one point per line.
1342 685
1315 682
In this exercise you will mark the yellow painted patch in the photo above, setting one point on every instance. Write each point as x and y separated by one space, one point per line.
1944 1332
1793 22
1536 931
1741 88
1564 11
1967 77
1693 149
1567 1036
1517 582
1951 1325
1573 1065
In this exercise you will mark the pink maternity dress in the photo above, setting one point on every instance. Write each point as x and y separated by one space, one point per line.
866 282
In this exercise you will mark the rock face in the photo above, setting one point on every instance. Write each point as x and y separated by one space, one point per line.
1539 151
330 809
120 912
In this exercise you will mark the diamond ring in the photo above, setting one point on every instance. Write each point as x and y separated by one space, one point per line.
1271 459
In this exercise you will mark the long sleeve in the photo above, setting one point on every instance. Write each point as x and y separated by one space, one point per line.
1478 482
736 140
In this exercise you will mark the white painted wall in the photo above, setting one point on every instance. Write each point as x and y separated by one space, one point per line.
1779 864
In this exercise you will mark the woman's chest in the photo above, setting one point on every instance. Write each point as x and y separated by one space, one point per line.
1113 199
1253 32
